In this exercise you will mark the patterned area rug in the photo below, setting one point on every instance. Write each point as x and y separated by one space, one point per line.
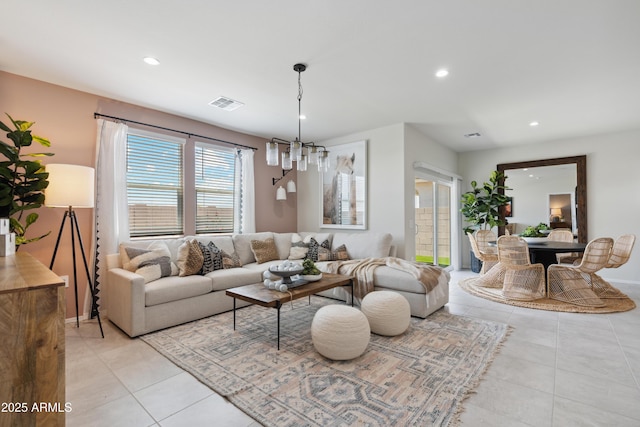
495 294
418 378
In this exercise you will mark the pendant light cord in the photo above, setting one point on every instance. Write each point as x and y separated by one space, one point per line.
299 106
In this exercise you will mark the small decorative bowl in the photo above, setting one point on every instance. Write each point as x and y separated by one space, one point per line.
311 277
285 274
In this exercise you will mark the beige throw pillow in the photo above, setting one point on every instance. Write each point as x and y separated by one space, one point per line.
264 250
152 263
230 260
190 258
338 254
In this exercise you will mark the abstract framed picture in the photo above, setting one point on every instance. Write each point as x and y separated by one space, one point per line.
344 187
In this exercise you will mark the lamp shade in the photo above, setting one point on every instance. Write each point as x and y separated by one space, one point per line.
291 187
70 185
556 211
281 194
272 153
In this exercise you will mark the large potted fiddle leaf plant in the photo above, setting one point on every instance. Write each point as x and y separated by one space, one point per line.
481 207
22 179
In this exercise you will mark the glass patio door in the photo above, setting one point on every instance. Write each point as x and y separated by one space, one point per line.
433 221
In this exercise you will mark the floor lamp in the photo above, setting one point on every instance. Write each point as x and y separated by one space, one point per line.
72 186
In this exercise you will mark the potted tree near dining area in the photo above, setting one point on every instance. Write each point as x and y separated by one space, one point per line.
481 208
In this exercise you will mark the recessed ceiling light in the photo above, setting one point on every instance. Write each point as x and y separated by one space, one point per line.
302 117
151 61
534 124
442 73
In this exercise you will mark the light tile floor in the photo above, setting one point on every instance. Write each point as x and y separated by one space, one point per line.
555 369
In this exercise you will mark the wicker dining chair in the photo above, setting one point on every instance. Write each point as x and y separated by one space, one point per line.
483 237
489 258
572 284
522 280
564 235
620 254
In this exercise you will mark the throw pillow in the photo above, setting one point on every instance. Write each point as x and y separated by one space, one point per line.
339 254
264 250
156 268
299 248
231 260
212 258
152 263
133 256
190 258
314 249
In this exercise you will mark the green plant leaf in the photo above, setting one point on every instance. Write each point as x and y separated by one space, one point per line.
22 182
42 141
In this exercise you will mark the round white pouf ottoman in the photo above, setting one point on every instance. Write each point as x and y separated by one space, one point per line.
388 312
340 332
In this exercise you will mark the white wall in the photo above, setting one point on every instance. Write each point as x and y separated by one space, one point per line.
391 153
385 204
419 148
613 175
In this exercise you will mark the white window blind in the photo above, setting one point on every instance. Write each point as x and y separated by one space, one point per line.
154 185
215 186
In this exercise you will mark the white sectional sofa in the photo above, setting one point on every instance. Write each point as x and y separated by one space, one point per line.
138 308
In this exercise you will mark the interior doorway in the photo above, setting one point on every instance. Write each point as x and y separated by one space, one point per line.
433 221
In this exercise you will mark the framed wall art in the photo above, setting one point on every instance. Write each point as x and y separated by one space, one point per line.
344 187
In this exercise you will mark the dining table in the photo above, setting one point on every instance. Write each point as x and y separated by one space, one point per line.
544 252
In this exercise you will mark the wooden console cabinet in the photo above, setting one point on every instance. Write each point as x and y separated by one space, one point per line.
32 343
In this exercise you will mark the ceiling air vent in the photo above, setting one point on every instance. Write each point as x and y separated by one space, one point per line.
225 103
472 135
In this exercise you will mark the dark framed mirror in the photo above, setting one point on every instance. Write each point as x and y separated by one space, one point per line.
581 186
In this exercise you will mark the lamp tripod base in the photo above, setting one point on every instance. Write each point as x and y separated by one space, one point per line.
75 230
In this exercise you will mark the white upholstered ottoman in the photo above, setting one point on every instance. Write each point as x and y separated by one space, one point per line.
340 332
388 312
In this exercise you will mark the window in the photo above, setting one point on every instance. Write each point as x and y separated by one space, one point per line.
215 184
154 186
179 187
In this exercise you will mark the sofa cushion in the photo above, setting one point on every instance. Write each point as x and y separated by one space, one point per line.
212 258
242 245
298 248
225 279
170 289
315 247
364 245
264 250
133 254
339 254
190 258
156 268
230 260
283 243
224 243
391 278
262 267
320 237
151 264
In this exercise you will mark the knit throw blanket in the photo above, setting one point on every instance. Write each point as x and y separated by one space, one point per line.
362 270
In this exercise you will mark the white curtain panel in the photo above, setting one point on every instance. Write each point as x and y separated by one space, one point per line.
245 213
111 211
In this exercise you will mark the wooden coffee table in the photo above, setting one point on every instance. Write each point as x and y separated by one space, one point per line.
261 295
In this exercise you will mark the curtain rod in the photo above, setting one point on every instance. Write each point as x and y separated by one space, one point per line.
189 134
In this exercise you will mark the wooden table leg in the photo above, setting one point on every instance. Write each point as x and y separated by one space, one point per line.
234 314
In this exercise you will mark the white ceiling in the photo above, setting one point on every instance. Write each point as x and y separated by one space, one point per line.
572 65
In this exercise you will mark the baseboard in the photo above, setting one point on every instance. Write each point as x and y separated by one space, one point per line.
103 315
